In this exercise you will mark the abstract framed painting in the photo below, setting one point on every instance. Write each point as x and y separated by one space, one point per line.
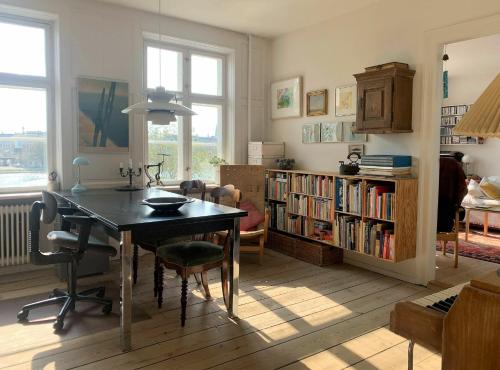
345 100
102 127
286 98
331 132
311 133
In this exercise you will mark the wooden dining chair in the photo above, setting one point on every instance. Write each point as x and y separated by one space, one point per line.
187 188
451 236
198 257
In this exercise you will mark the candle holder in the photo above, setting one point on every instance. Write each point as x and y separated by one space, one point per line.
156 178
130 173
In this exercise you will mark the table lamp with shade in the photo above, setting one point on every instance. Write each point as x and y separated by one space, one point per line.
467 160
79 161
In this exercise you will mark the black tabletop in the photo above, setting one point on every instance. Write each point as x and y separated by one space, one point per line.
123 211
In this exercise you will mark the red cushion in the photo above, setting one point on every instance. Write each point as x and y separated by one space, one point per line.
254 218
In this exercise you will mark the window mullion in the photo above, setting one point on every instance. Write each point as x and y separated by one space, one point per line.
187 146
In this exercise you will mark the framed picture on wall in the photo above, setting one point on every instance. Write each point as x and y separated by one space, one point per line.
349 136
345 100
331 132
102 127
311 133
286 98
317 103
356 148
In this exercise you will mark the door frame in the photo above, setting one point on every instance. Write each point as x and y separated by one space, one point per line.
434 40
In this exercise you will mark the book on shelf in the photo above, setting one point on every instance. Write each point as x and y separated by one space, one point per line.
320 208
312 185
298 204
277 187
295 224
385 171
348 195
367 237
380 200
386 160
454 110
319 230
277 216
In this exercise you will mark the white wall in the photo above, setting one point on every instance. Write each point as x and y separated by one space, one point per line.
103 40
472 66
328 54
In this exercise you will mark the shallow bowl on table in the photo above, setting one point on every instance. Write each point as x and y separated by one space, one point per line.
167 204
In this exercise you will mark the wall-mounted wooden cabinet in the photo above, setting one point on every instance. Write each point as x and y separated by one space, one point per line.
384 99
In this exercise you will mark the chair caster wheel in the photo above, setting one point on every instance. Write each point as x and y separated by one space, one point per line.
107 309
101 293
58 325
22 315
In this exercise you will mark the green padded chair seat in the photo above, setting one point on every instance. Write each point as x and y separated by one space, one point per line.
67 239
191 253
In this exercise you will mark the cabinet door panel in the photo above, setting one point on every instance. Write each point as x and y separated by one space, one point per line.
374 104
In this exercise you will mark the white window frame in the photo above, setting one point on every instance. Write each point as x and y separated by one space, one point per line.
188 98
36 82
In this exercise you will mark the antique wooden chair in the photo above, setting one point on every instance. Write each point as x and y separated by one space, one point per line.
198 256
250 180
189 187
451 236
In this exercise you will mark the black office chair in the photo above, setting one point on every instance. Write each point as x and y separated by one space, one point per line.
70 248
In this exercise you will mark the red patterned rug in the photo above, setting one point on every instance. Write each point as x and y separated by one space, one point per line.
474 250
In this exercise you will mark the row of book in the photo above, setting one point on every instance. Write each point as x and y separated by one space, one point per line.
277 186
277 216
296 224
319 208
368 237
454 109
450 120
313 185
380 200
455 139
348 195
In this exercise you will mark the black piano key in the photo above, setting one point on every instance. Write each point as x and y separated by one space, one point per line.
443 306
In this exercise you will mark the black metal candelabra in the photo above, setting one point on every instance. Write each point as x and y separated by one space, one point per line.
130 173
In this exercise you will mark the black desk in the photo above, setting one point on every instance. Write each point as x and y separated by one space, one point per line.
125 219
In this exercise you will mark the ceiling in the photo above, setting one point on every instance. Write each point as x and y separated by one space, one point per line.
268 18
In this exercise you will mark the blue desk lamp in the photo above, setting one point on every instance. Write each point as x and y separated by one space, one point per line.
79 161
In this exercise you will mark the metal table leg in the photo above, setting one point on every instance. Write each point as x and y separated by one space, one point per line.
126 294
467 224
410 354
234 270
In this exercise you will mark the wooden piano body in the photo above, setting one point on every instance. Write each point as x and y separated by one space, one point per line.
468 336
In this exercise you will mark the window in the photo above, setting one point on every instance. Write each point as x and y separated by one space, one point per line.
197 79
25 96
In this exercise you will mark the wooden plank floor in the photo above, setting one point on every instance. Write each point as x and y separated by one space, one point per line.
292 315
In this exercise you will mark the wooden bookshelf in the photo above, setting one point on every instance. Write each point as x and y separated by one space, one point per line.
311 208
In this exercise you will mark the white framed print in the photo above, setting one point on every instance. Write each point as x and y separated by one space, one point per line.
286 98
345 100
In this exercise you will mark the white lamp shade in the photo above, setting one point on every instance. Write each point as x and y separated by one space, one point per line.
160 117
81 161
467 159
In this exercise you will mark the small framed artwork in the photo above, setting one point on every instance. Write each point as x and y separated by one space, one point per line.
331 132
317 102
286 98
345 100
356 148
311 133
349 136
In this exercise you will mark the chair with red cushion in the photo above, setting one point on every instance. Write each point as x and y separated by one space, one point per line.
253 228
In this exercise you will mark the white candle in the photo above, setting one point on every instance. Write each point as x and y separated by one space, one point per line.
140 164
121 165
130 163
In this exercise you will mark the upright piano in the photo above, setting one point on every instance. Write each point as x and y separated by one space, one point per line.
463 323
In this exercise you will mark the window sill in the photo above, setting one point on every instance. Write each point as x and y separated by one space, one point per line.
19 198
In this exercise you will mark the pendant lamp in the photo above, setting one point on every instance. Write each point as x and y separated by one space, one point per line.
158 107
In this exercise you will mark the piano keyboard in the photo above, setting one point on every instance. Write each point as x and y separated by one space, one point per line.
440 301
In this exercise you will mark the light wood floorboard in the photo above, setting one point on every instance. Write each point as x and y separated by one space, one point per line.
293 315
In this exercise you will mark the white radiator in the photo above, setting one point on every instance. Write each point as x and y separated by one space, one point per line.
14 223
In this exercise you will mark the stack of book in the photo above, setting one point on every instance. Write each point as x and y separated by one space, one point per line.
379 201
348 195
318 230
320 208
385 165
278 216
277 187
